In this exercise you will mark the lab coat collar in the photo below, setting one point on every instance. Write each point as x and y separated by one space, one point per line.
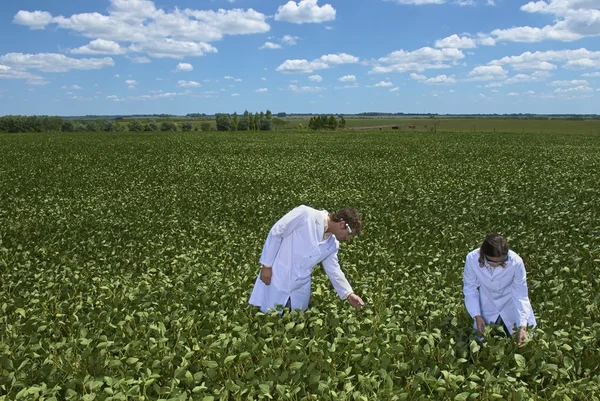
326 235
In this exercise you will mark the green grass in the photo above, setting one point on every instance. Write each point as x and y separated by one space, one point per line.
126 262
451 124
458 125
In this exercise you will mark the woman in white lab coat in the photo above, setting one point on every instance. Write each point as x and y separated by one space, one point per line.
495 288
296 243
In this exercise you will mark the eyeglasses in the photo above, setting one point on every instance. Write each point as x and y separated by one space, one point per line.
349 230
496 262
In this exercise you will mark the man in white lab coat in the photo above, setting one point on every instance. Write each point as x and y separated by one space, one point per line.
495 288
300 240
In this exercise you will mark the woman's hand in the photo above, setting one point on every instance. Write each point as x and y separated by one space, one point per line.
522 336
480 324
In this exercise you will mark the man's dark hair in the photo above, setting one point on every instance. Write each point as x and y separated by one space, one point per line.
350 216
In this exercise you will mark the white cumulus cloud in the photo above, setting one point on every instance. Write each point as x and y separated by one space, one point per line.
290 40
172 48
34 20
151 30
347 78
100 46
456 42
305 89
487 73
184 67
140 60
571 59
7 72
440 79
305 11
188 84
576 89
53 62
339 58
418 60
573 20
270 45
573 82
304 66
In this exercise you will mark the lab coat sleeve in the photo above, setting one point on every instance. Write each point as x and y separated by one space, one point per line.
470 290
519 294
331 266
284 227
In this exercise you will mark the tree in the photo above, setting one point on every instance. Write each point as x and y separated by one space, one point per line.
205 126
332 123
168 126
108 126
68 126
317 122
235 121
79 127
151 126
323 122
266 121
30 124
244 123
223 122
91 126
48 124
186 126
256 122
279 123
136 126
251 122
121 127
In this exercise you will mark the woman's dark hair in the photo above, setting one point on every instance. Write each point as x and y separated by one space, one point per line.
351 217
493 245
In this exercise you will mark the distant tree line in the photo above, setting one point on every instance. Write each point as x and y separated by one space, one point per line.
57 124
30 124
95 117
262 121
259 121
121 126
326 122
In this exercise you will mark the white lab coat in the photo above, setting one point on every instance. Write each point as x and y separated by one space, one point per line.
502 293
294 246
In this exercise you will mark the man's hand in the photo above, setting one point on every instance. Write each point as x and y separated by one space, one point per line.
480 323
356 301
265 274
522 336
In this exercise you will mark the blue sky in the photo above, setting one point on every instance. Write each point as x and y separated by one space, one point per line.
73 57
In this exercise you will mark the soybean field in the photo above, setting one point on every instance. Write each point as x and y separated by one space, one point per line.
127 260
